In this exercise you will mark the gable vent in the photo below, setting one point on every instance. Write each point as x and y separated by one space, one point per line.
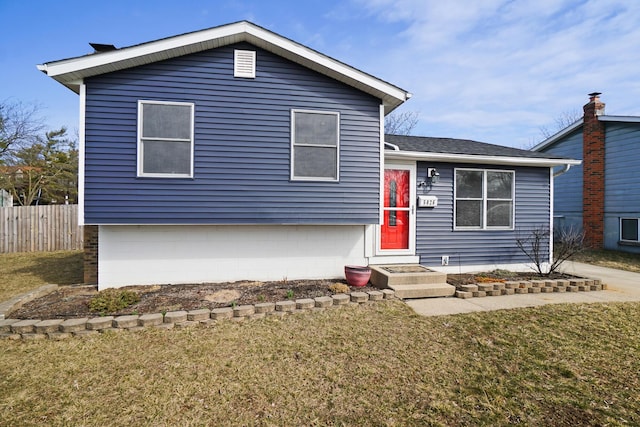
244 64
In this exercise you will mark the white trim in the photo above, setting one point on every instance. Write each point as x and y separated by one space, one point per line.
140 145
485 200
67 70
81 152
382 162
476 159
293 177
624 119
391 259
411 167
551 183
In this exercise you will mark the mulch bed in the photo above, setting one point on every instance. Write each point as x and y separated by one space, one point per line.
73 301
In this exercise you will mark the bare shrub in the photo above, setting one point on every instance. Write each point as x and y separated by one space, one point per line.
534 244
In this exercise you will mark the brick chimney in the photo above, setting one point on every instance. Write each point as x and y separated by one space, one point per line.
593 172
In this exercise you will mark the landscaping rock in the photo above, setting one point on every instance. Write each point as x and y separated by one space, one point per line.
128 321
359 297
305 304
325 302
265 307
47 326
175 316
74 325
99 323
341 299
198 315
221 313
24 326
287 306
375 295
150 319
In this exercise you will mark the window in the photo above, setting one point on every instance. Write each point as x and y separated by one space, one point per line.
314 145
484 199
629 229
165 137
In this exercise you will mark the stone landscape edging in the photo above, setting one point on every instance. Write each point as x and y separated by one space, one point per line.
58 329
529 287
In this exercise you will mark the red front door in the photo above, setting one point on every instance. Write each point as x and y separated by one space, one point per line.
395 230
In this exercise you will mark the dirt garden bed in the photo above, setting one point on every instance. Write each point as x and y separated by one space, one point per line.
73 301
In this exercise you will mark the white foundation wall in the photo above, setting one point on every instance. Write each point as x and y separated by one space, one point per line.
145 255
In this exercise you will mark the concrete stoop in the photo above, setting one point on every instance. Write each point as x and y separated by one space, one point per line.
411 281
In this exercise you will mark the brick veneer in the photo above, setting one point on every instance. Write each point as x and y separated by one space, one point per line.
593 147
91 254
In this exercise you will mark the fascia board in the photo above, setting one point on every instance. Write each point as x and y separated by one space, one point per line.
475 159
66 70
624 119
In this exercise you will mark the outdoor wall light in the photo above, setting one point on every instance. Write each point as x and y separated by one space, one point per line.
433 176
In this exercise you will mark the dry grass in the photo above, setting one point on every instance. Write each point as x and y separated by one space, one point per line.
611 259
368 365
21 272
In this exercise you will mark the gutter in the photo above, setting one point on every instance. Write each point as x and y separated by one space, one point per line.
478 159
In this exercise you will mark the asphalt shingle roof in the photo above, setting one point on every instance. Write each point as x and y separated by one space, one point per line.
426 144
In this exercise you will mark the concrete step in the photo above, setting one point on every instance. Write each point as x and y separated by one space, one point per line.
384 276
423 290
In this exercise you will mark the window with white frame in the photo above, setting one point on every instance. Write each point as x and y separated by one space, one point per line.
165 139
629 229
484 199
315 145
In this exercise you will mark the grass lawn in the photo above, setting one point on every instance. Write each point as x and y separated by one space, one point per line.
21 272
611 259
560 365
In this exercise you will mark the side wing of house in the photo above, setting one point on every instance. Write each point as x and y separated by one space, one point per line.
622 186
567 191
482 209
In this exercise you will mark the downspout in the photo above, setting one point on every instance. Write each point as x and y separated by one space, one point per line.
564 170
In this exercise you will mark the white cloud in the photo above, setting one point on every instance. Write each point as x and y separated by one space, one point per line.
510 66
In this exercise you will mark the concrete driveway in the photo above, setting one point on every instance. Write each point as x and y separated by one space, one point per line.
621 286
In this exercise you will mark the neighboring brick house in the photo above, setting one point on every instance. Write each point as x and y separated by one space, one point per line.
601 197
234 153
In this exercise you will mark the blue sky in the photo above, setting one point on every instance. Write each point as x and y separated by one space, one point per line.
488 70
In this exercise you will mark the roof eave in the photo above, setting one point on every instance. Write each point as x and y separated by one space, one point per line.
69 71
478 159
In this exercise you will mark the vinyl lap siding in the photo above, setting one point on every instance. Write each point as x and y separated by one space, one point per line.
622 184
434 226
567 189
242 146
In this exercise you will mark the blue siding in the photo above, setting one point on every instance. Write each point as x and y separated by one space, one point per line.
622 184
567 189
242 145
434 226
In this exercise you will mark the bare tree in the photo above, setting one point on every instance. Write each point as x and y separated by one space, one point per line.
534 244
400 123
565 119
19 126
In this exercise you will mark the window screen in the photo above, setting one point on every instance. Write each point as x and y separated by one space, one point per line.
315 145
166 139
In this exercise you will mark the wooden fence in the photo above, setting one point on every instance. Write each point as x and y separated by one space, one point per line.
39 228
